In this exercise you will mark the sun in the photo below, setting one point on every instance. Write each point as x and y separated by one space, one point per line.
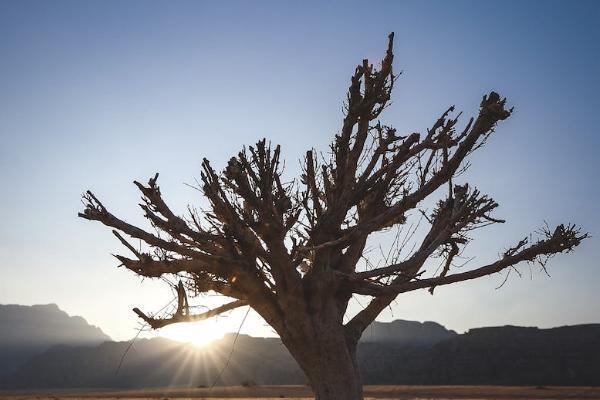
199 334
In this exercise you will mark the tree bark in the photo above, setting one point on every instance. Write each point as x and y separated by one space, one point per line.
331 368
327 356
336 376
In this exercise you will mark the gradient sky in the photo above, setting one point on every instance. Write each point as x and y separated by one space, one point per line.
97 94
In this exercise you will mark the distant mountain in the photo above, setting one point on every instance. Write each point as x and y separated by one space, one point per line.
29 330
507 355
511 355
159 362
403 332
400 352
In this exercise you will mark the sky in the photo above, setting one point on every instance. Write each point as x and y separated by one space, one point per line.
96 94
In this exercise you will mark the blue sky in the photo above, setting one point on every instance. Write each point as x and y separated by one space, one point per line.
97 94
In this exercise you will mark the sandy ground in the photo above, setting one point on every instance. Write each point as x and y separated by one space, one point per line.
302 392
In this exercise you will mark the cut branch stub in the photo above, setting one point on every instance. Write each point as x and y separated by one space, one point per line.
156 323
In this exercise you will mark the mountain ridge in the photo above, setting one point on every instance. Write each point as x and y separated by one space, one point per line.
29 330
397 352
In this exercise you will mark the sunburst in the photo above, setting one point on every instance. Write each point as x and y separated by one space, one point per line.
199 334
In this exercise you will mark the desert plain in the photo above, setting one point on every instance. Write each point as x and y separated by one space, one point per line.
298 392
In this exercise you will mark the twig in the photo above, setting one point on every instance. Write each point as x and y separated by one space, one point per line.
231 352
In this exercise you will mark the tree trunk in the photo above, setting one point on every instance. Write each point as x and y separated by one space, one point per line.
336 377
329 361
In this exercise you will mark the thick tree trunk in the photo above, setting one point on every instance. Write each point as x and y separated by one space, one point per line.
336 377
331 368
328 359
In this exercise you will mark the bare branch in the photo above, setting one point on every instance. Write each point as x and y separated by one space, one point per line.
156 323
562 239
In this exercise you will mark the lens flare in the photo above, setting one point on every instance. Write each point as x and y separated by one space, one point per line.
200 334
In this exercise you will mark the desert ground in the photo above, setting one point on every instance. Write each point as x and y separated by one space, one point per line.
303 392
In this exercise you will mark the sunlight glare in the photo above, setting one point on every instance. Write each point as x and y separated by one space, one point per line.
199 334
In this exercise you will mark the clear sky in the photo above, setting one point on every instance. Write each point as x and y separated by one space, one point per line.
97 94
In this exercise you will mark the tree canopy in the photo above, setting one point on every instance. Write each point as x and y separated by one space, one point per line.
290 250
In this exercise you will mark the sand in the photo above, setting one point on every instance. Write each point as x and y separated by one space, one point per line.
303 392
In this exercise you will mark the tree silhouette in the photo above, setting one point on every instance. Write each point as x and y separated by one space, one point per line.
292 251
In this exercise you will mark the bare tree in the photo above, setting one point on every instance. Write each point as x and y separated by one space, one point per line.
292 251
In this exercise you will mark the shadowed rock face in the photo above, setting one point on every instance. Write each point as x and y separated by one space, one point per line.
499 355
410 333
159 362
568 355
507 355
29 330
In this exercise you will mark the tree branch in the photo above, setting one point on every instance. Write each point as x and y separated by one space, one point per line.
562 239
156 323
